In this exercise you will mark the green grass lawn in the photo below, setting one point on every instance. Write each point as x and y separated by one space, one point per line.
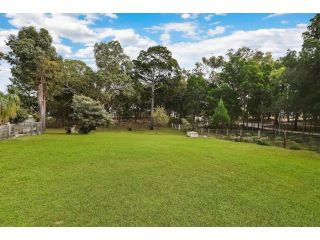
144 178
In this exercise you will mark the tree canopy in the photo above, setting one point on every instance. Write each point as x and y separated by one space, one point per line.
255 86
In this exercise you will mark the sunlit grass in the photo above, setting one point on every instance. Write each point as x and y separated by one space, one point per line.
149 178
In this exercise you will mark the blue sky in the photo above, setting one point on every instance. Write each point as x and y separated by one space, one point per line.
188 36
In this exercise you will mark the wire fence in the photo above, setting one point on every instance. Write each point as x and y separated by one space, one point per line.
16 130
280 138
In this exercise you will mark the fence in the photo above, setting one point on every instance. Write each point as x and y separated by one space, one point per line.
281 138
21 129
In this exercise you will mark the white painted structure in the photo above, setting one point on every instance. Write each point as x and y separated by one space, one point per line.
192 134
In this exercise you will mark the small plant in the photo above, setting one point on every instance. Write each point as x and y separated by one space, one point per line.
160 117
21 116
294 146
263 141
185 125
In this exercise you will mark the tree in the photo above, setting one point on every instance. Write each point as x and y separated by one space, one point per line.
9 105
113 76
160 117
88 114
309 67
154 67
221 116
1 55
76 79
196 96
34 64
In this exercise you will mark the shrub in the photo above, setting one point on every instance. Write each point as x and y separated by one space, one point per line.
294 146
185 125
298 139
88 114
160 117
263 141
21 116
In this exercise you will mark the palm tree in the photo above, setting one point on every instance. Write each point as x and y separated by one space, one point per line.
9 105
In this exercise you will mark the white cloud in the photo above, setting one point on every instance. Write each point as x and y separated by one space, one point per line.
189 15
5 74
4 33
71 27
165 38
77 30
131 42
111 15
274 15
208 17
275 40
189 29
302 25
216 31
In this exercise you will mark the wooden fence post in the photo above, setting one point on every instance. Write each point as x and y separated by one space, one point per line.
9 130
284 138
240 135
258 133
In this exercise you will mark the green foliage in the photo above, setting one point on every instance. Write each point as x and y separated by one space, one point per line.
9 105
88 114
160 117
113 76
294 145
263 141
154 68
220 116
35 65
185 125
21 115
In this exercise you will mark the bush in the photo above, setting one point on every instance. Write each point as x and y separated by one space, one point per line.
160 117
21 116
185 125
298 139
263 141
294 146
88 114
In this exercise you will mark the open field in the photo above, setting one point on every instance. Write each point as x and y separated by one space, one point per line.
144 178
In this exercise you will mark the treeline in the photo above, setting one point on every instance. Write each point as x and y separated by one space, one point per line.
254 87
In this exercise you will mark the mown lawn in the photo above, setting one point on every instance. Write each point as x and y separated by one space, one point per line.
144 178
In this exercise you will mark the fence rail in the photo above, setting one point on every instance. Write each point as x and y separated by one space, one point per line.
281 138
21 129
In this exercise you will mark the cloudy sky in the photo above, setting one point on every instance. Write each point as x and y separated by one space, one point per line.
188 36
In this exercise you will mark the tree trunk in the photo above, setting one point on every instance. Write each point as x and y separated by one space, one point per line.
152 106
42 104
295 125
276 122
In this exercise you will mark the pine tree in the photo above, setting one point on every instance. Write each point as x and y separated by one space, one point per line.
221 116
